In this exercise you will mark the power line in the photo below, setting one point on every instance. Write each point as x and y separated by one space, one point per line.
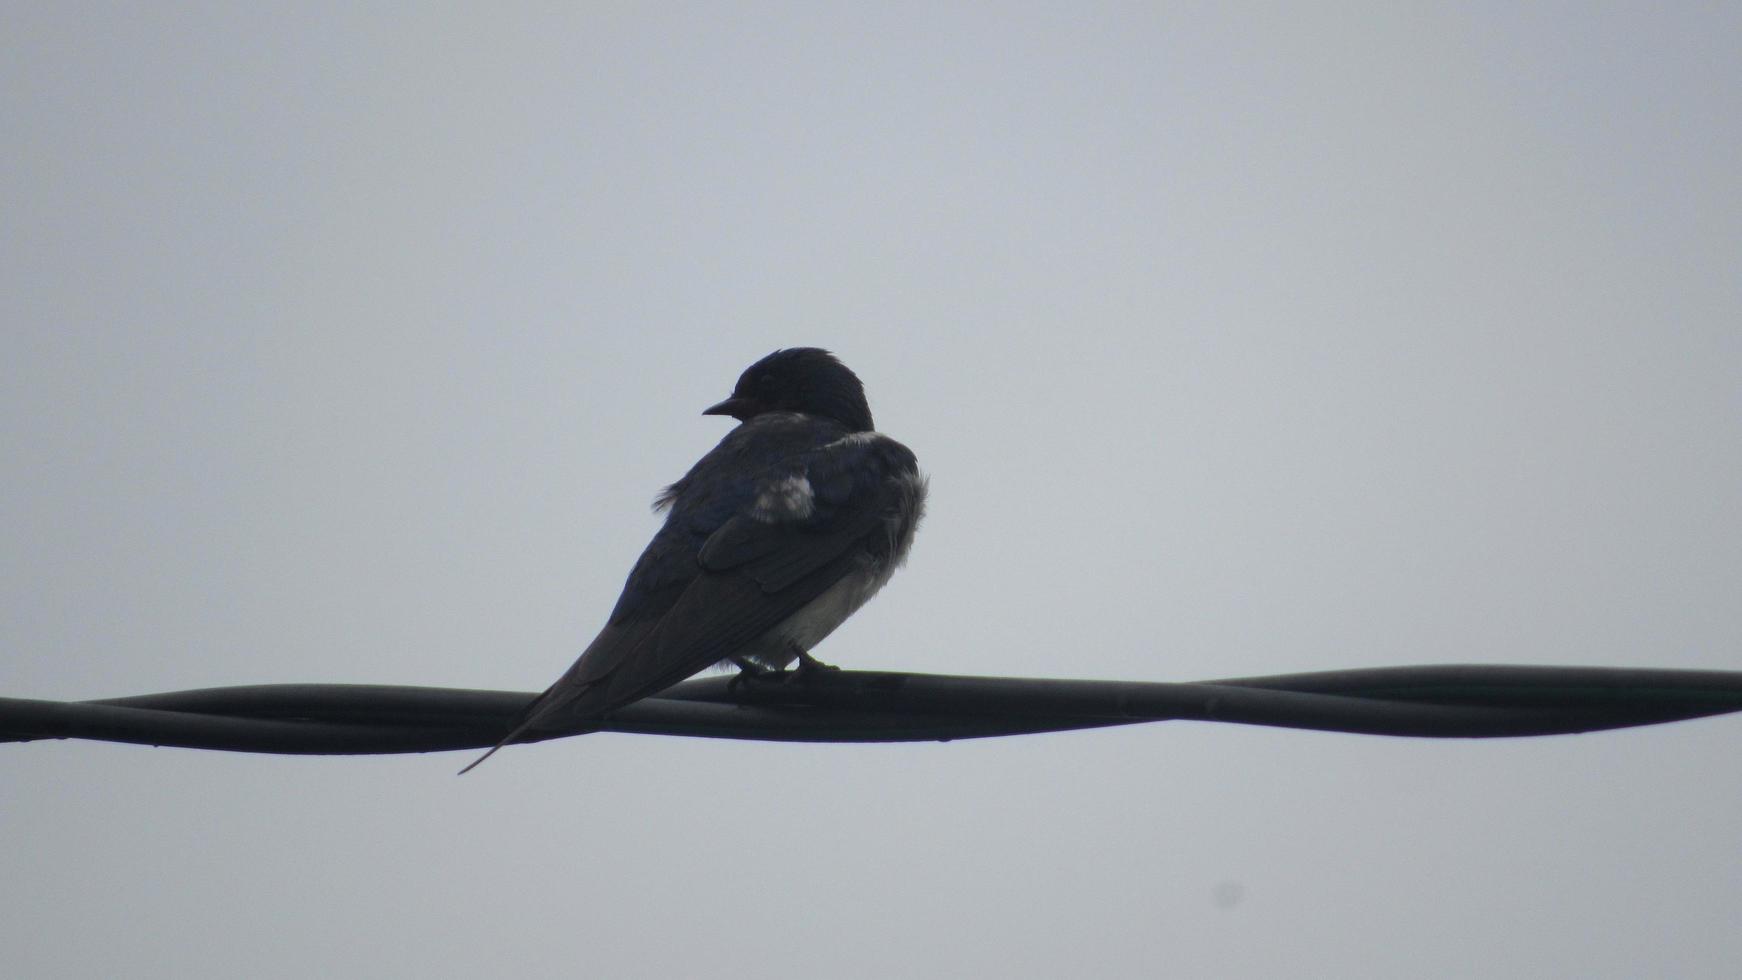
1459 701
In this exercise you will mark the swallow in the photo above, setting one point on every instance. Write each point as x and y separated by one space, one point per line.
788 526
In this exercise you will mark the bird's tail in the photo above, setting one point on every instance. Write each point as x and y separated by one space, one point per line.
518 731
553 703
535 713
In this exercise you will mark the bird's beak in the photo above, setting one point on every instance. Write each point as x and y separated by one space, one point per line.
738 408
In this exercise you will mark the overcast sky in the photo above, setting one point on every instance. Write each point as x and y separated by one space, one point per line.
351 344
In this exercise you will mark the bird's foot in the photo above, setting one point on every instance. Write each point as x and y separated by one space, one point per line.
748 670
807 665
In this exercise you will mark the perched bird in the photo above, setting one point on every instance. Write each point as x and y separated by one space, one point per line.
770 541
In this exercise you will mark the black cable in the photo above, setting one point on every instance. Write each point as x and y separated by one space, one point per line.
1460 701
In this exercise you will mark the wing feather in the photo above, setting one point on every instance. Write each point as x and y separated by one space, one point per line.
750 566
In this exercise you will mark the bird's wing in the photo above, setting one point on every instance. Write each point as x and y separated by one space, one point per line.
811 521
808 525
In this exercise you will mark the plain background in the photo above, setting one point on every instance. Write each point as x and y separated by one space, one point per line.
350 344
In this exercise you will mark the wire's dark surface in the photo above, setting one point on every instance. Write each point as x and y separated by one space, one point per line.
1464 701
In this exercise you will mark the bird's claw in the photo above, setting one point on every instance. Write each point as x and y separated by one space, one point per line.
748 671
807 665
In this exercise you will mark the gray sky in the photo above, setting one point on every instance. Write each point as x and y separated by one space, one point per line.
351 346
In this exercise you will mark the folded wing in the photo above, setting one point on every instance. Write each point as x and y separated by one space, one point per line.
767 548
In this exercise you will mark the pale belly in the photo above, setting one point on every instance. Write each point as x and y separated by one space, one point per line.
779 647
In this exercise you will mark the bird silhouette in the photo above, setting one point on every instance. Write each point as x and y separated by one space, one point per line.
771 540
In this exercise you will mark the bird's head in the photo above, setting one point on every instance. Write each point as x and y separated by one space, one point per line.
799 379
